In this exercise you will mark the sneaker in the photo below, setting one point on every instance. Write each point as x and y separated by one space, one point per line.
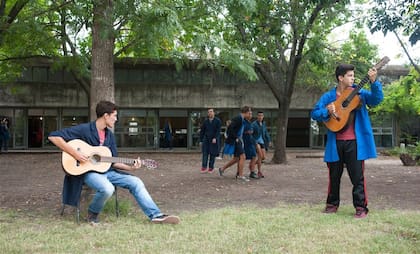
243 178
211 170
166 219
361 213
260 174
203 170
220 172
253 175
219 158
330 209
92 218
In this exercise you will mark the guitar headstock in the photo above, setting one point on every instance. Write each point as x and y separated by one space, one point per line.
382 63
150 164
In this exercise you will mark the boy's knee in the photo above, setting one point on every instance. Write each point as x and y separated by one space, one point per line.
139 183
109 190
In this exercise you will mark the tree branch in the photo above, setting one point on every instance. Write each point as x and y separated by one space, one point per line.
268 79
21 58
406 52
123 49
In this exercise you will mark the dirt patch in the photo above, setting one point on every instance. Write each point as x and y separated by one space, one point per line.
33 181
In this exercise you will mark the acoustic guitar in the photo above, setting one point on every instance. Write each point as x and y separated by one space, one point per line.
348 101
100 159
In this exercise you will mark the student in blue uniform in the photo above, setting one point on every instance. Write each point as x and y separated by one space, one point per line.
352 145
210 141
234 144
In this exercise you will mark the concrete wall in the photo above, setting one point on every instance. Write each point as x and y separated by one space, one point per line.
157 85
154 94
42 95
220 96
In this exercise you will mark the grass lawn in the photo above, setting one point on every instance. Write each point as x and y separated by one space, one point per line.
284 229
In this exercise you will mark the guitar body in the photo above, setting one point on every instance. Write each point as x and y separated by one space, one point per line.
95 153
339 121
100 159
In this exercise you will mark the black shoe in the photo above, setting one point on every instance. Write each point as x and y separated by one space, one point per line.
330 208
93 218
253 175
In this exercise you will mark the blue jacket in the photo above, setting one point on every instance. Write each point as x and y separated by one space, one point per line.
234 130
72 186
366 148
208 131
88 133
261 131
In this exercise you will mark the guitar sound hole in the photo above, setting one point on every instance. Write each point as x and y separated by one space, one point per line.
96 158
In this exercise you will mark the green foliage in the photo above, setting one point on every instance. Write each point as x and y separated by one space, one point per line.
402 98
390 16
319 65
412 150
359 52
148 30
27 37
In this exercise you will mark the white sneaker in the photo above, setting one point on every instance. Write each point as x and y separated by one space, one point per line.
243 178
167 219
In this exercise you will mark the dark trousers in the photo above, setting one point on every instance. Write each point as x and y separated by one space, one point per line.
206 160
209 150
347 152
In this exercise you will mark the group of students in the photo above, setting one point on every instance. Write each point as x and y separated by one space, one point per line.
349 147
244 140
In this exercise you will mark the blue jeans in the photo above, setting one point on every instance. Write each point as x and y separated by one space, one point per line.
104 186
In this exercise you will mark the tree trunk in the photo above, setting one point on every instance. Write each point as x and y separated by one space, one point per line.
103 39
397 130
279 156
280 89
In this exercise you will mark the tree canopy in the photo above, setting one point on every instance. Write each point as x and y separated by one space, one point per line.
281 43
396 16
390 16
402 97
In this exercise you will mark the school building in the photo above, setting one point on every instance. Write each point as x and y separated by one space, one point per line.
149 93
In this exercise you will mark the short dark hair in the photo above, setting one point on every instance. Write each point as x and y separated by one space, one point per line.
342 69
104 107
260 112
245 109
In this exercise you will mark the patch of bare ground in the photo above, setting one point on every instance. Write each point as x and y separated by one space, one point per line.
33 181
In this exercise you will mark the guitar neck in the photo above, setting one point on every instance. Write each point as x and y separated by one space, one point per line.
355 91
363 82
118 160
378 66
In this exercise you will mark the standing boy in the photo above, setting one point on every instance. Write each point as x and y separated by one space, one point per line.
263 140
352 145
210 141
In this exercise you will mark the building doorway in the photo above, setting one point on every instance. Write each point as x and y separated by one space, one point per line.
35 131
175 128
173 124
